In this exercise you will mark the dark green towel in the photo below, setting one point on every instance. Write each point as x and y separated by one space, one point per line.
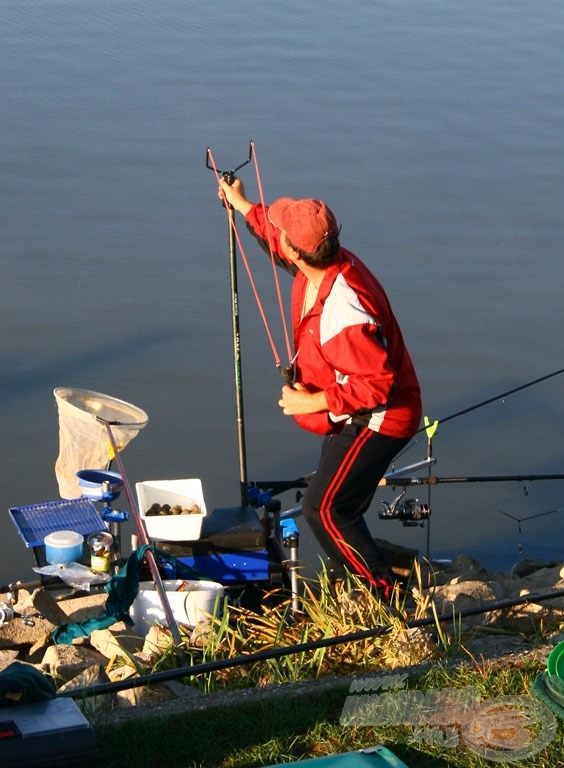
22 684
122 590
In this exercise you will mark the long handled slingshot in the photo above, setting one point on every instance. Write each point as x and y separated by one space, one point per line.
229 176
234 239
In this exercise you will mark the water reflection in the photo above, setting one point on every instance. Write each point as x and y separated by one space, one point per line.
433 131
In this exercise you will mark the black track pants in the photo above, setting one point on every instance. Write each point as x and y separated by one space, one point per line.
352 464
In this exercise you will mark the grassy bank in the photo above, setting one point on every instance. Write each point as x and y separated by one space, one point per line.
255 715
289 726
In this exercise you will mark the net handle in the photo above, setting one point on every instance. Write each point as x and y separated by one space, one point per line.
144 538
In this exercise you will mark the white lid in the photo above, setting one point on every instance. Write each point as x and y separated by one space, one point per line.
64 539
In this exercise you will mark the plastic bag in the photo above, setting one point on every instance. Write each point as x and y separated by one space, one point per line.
74 575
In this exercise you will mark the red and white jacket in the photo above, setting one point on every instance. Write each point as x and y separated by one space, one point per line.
349 344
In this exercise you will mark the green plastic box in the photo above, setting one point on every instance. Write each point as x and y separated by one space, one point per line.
371 757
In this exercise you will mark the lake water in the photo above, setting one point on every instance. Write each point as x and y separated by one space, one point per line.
434 131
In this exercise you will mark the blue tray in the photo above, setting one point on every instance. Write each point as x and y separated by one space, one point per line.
228 568
36 521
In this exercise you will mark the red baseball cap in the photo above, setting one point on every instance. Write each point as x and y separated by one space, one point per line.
308 223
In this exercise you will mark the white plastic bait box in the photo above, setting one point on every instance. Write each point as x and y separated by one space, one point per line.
190 602
172 510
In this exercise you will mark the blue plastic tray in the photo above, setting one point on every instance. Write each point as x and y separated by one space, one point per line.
229 567
36 521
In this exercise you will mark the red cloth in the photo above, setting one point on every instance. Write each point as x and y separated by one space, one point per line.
349 345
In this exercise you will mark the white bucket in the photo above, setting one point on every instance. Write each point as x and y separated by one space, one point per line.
190 601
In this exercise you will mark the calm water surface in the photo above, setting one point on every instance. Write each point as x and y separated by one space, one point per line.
434 132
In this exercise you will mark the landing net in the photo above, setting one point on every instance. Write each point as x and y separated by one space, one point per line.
83 437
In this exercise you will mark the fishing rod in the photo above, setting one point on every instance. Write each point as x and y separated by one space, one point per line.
434 480
279 652
410 512
501 396
430 428
392 480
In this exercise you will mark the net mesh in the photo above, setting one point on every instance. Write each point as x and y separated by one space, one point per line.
83 436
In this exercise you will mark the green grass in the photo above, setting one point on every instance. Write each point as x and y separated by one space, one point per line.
326 611
289 724
259 731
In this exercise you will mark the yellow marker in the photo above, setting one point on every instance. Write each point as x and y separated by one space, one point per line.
430 429
111 454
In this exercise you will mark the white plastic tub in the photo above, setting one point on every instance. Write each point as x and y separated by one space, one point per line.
62 547
196 601
184 493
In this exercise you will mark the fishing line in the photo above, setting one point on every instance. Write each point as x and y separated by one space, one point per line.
271 252
520 520
229 177
231 218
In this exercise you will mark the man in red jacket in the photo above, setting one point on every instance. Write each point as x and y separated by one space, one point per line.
353 380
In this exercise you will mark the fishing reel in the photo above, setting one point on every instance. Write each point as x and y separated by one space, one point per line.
6 613
410 512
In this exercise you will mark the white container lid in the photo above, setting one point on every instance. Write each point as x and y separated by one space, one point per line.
62 539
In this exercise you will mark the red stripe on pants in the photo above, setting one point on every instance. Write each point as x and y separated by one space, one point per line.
327 502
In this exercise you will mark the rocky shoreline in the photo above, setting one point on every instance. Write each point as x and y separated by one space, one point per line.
106 655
